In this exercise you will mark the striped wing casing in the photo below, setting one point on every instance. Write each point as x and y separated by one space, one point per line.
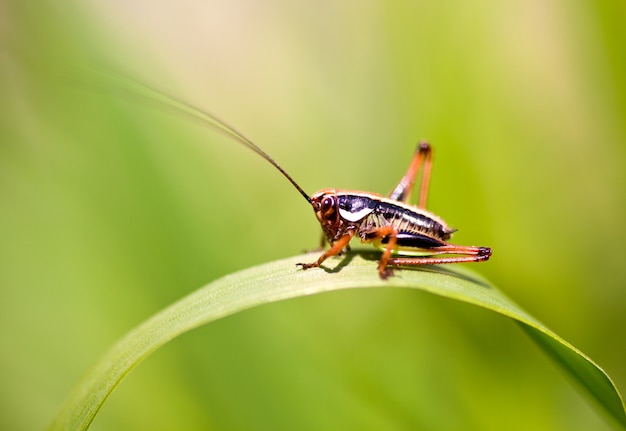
418 230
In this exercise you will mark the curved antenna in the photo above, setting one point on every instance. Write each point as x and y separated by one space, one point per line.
215 122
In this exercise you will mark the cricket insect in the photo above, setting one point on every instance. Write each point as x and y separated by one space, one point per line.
407 235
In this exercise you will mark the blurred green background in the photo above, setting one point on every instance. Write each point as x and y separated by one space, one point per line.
110 209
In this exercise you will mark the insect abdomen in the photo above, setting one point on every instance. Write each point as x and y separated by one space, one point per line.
409 221
416 231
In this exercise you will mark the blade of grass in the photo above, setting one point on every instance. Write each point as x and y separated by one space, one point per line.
280 280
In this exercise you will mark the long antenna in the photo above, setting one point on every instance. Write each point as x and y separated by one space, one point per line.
213 121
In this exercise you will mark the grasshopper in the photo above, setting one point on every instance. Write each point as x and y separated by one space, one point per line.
408 235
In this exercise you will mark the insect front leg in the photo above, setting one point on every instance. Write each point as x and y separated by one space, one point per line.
325 239
336 249
423 160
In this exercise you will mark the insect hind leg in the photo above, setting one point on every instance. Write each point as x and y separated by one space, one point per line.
422 161
461 254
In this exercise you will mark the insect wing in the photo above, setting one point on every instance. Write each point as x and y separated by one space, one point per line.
354 207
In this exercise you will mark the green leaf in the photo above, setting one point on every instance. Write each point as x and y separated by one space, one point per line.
280 280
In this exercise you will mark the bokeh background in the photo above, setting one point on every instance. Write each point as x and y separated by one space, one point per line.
111 209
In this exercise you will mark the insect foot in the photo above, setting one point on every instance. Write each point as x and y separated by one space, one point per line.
308 265
385 273
484 253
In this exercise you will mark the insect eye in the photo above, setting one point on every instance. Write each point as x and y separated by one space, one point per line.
328 205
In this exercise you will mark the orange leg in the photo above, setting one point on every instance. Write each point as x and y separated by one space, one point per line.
467 254
391 233
336 249
422 159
